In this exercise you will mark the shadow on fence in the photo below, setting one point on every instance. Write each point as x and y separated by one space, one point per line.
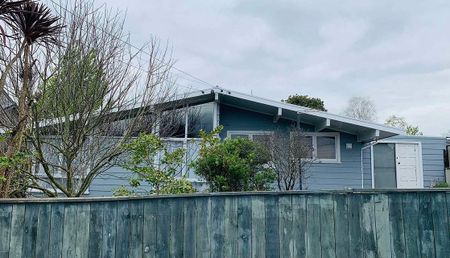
293 224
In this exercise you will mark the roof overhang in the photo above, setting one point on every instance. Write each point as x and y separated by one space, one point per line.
364 130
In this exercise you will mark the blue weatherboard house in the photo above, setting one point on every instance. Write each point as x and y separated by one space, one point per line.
348 153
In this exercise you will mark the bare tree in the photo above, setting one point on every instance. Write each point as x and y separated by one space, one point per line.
361 108
291 157
95 95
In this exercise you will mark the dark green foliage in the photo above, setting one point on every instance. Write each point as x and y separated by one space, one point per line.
233 164
306 101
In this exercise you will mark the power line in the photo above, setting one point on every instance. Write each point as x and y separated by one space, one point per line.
139 49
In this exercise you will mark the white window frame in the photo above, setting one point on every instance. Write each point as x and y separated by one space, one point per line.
314 136
250 134
314 142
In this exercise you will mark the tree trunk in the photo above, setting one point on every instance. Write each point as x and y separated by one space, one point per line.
16 140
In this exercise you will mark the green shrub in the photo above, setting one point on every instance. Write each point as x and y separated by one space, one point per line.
233 164
160 176
440 184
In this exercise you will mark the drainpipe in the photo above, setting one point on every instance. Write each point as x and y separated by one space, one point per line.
185 141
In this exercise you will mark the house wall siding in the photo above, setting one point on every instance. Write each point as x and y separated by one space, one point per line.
335 176
346 174
322 176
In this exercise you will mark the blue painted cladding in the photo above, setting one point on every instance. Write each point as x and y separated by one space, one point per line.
346 174
105 183
232 118
432 156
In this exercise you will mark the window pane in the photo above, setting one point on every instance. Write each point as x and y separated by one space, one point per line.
235 136
306 146
384 165
326 147
261 138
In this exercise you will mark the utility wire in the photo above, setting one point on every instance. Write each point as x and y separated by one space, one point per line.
139 49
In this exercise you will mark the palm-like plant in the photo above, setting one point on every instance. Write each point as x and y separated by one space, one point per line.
6 7
34 22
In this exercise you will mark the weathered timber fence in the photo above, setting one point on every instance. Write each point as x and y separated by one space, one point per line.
293 224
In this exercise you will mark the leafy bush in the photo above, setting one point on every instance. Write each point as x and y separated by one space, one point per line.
440 184
233 164
160 175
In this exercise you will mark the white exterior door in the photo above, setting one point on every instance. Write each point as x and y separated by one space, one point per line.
408 165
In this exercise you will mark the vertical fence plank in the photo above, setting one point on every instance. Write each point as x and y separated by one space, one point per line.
17 223
217 226
440 220
244 216
82 224
163 229
411 221
43 230
397 228
258 227
313 245
272 237
109 230
30 230
327 233
149 227
176 228
190 225
203 236
231 228
70 230
123 229
341 225
382 230
285 227
96 229
354 207
426 226
368 226
299 224
57 230
448 209
5 226
136 227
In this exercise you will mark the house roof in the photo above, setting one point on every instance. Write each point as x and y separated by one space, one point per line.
365 131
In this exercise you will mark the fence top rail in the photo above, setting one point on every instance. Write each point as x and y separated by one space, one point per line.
222 194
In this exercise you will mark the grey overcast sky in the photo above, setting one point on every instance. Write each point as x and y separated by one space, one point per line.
395 52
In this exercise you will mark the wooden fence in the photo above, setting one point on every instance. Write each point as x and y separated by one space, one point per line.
293 224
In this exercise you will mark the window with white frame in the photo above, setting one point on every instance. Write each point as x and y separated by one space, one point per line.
257 136
325 146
